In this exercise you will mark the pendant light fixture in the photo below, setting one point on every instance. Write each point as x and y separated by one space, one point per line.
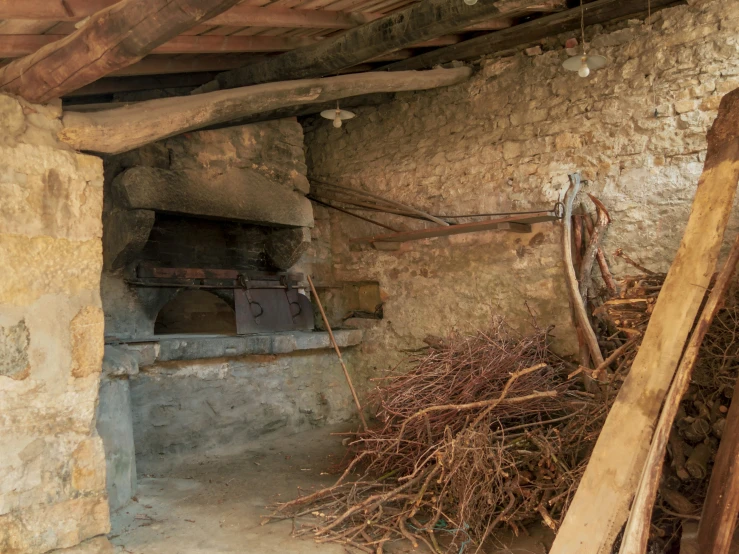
584 63
338 115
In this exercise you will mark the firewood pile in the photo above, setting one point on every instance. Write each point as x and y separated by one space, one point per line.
481 432
701 417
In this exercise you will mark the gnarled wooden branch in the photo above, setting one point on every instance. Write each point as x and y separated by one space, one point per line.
576 301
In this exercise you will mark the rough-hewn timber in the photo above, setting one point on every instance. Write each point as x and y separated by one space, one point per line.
420 22
122 129
595 12
111 39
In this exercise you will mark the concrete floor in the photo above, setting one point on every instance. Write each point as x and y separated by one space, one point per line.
214 505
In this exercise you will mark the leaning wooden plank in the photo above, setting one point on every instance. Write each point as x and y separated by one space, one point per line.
419 22
720 510
121 129
111 39
595 12
638 526
601 504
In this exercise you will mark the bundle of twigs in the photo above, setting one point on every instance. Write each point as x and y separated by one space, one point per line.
482 431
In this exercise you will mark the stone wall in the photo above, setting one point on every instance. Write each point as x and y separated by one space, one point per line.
185 410
52 469
506 140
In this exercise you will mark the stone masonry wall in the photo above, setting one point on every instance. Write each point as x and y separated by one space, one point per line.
52 469
506 140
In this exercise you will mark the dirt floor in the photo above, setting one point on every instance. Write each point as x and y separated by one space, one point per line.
214 505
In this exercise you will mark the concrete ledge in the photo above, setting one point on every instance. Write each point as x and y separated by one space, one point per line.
195 347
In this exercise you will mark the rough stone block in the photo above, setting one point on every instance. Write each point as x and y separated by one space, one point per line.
115 426
98 545
44 527
684 106
285 246
125 233
240 194
120 362
87 330
36 266
14 342
12 120
88 466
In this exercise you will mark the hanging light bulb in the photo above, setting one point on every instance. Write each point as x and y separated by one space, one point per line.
585 63
337 116
470 2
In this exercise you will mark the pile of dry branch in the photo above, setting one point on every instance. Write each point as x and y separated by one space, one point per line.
482 431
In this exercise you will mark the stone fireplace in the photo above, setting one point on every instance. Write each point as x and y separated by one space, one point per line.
209 329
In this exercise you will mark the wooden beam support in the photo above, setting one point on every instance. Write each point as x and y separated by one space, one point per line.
111 39
242 15
601 504
718 520
13 46
112 85
419 22
165 64
123 129
599 11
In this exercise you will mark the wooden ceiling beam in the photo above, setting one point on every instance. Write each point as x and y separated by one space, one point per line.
600 11
14 46
122 129
111 39
242 15
419 22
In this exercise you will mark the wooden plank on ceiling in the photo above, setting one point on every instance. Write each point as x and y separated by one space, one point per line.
419 22
242 15
599 11
111 39
14 46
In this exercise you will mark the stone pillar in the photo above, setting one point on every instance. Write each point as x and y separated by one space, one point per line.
52 466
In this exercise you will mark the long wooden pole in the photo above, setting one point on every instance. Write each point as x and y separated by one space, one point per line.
338 353
720 510
637 528
601 504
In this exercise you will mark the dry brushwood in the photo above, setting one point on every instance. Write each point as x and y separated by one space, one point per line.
482 431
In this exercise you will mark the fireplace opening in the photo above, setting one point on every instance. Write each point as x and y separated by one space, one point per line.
196 312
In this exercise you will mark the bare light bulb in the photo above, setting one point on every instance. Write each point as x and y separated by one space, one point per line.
584 70
337 119
470 2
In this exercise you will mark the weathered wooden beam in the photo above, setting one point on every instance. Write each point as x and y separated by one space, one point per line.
112 85
242 15
13 46
718 520
132 126
419 22
599 11
164 64
113 38
601 504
